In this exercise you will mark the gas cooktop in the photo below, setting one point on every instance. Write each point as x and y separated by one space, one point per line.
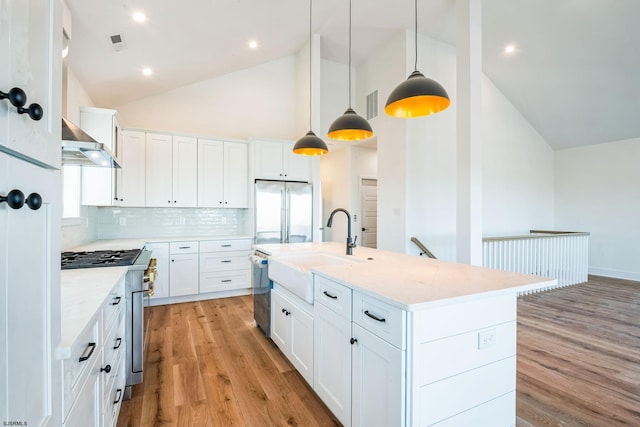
93 259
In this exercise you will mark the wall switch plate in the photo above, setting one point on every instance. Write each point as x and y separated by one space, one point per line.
123 221
486 339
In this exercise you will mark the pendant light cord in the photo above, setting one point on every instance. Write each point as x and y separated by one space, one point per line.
310 67
349 53
415 65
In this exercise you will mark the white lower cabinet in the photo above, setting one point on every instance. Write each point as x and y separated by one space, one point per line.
183 269
292 331
224 265
94 372
377 381
332 364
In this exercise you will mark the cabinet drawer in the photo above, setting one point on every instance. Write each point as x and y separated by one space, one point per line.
217 261
114 306
114 344
225 245
380 318
333 295
111 381
111 406
84 353
183 247
224 280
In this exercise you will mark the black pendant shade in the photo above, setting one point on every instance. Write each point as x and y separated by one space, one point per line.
417 96
310 145
350 127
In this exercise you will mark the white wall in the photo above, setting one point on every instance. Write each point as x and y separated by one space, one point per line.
77 97
518 170
597 190
335 95
258 101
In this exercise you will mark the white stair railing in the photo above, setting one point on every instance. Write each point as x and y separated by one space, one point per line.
558 255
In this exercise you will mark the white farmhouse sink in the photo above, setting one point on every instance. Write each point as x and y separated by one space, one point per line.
292 271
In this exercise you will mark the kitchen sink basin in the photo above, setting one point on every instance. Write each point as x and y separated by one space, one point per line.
293 271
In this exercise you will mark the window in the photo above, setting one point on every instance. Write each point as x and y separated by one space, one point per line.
70 192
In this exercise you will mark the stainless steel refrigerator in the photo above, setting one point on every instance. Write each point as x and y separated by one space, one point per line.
284 212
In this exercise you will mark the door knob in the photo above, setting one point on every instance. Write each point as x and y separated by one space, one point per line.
16 96
34 111
34 201
15 199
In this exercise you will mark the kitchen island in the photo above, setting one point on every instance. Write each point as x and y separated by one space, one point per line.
396 339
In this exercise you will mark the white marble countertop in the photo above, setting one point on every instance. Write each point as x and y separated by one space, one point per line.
83 291
135 243
410 282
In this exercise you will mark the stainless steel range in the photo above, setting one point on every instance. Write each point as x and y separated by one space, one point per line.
138 282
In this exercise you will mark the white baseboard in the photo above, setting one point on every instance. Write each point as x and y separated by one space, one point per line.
618 274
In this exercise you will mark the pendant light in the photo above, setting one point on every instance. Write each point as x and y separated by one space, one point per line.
418 95
350 126
310 144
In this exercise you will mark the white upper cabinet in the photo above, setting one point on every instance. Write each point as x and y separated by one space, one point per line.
222 174
98 183
171 175
159 184
185 172
31 59
130 179
275 160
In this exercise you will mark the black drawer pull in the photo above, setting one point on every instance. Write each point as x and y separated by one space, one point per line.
329 295
118 343
226 280
118 396
226 246
226 260
106 369
374 317
184 247
116 301
88 352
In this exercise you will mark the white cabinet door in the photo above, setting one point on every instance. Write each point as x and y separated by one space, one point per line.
159 182
99 184
295 167
185 172
268 160
236 175
377 381
280 321
30 289
332 364
183 274
160 251
302 343
211 173
131 178
86 410
30 59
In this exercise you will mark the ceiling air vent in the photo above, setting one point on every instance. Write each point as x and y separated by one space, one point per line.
117 42
372 105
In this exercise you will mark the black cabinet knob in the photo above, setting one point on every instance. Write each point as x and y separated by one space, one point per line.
16 96
15 199
34 201
353 341
34 111
106 369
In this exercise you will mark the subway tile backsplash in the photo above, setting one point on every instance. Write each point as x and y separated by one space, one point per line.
119 223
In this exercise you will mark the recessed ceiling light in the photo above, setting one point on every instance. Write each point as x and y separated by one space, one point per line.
139 17
253 44
509 49
147 71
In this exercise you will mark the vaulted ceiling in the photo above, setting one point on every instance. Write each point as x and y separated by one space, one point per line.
573 75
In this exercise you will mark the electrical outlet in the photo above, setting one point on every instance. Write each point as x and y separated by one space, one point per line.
486 339
355 217
224 219
183 220
123 221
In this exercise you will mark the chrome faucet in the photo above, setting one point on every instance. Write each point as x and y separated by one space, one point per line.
350 244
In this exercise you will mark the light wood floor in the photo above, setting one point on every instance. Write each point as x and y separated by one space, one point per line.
207 365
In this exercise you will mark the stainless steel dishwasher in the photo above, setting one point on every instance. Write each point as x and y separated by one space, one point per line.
261 291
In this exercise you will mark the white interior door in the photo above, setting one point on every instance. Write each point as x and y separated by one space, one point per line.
369 192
